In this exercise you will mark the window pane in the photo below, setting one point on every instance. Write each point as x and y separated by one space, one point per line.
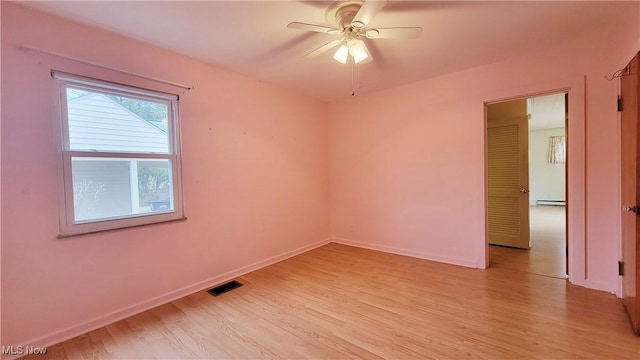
115 123
105 188
154 185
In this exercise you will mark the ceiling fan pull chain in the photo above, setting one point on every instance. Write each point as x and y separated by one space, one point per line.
353 88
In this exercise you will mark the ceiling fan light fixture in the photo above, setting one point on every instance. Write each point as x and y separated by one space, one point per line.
342 54
359 52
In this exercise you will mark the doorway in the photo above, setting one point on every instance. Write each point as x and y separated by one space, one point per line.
526 184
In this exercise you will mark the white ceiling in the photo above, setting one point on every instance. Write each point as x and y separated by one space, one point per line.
252 38
546 112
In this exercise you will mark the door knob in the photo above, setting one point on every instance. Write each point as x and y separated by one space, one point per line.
524 191
633 209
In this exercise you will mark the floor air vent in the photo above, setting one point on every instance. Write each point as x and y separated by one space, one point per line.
221 289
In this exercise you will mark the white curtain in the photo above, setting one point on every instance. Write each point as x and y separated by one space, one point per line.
557 150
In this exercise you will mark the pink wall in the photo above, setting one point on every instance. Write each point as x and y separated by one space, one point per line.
406 173
407 165
255 175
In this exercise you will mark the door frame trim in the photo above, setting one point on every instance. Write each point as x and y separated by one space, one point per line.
575 168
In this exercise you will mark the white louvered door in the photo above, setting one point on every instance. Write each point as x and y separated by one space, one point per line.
508 182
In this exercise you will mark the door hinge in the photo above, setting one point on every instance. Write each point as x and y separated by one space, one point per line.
621 268
619 103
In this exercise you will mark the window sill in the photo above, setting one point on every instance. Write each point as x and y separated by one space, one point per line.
66 236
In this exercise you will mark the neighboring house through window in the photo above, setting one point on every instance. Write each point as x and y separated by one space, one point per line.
120 160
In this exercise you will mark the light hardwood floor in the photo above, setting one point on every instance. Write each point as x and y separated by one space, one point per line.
341 302
547 254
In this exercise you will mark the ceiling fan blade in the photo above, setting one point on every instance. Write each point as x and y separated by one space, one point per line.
367 12
311 27
323 48
394 33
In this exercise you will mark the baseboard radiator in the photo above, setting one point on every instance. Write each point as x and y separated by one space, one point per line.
551 202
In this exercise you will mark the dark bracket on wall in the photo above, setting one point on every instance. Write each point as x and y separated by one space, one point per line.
619 103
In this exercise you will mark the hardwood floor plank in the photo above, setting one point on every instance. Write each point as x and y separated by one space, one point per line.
339 302
547 253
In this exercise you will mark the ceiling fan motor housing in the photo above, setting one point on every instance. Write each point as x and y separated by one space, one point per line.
341 13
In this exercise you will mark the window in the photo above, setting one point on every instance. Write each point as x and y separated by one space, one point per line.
557 150
119 154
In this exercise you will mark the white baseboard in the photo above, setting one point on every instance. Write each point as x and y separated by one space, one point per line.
83 328
595 285
405 252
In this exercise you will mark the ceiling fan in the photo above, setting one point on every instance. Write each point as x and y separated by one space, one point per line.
350 19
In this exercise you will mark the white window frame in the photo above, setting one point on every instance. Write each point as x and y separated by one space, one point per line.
68 225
